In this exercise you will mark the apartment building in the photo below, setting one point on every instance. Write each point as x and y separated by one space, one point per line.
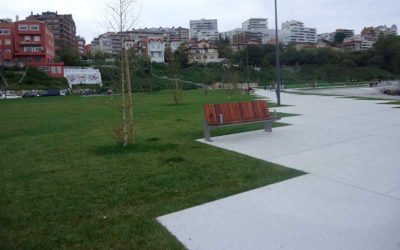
179 35
62 26
356 43
346 32
228 35
140 34
328 37
156 49
204 29
256 25
245 38
29 42
373 33
294 32
203 52
109 43
7 30
80 44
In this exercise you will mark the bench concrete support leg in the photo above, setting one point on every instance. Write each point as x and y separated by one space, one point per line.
268 126
207 134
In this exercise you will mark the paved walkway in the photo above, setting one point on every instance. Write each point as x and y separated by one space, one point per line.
363 92
349 200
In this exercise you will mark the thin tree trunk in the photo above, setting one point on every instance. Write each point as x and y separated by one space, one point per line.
131 127
4 80
123 103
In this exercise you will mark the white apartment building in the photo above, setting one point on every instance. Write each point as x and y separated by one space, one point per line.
204 29
357 43
156 49
229 34
103 43
294 32
257 25
326 37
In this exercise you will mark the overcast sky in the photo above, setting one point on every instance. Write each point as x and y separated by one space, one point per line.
325 15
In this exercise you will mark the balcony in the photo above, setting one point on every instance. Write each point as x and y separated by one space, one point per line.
28 32
30 53
30 43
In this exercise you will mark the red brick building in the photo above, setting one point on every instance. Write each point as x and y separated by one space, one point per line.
29 43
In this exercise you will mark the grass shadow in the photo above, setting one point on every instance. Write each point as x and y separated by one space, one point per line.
116 149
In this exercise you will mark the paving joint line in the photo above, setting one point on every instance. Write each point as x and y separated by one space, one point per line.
356 187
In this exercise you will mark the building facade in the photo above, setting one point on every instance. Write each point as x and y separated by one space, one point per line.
179 35
7 40
29 43
228 35
245 38
373 33
328 37
156 49
257 25
204 29
62 26
203 52
346 32
80 44
294 32
356 43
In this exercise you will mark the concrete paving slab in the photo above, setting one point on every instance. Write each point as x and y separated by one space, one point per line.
303 213
395 193
363 92
350 200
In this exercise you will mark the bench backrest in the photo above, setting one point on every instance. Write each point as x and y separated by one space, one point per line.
240 112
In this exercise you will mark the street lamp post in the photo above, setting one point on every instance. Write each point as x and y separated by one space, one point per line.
278 73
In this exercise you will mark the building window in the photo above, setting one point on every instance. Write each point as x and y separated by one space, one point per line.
53 69
4 31
38 59
27 38
46 68
34 27
0 43
36 38
22 27
28 49
59 70
7 42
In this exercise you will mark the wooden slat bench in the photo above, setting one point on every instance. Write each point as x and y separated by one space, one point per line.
227 114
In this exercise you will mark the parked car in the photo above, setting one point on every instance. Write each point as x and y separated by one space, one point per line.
64 92
9 96
52 92
30 94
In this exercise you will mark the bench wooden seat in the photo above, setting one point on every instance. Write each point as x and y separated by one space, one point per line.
226 114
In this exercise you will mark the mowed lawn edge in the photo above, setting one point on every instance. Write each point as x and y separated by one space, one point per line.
66 184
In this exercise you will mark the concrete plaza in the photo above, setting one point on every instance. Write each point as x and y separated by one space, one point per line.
350 198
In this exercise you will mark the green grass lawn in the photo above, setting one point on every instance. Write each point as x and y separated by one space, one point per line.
65 184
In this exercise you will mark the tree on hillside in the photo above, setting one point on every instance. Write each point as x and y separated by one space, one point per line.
339 38
181 56
387 52
173 61
70 56
122 17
